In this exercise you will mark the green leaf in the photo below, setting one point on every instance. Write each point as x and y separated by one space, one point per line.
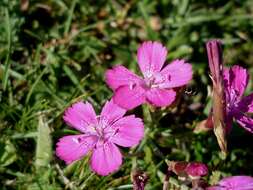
7 153
215 177
44 144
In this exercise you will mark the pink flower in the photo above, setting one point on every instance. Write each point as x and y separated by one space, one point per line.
100 135
229 85
158 82
234 183
235 82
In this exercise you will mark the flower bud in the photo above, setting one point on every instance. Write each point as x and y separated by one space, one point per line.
214 53
196 170
178 168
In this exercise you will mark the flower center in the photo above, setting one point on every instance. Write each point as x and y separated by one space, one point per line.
102 129
232 100
153 80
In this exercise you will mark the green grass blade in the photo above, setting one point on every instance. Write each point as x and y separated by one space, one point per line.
7 60
68 22
72 77
34 85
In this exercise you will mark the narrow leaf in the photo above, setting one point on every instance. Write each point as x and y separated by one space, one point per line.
7 60
44 144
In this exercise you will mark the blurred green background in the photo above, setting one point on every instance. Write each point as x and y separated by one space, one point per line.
55 52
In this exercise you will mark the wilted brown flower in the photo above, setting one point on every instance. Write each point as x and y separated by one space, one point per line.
139 179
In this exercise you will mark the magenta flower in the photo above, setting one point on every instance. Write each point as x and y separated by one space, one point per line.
100 135
234 183
158 82
235 82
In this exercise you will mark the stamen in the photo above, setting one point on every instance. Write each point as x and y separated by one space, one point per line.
154 80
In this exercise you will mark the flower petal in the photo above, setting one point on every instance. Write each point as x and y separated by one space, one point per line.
129 97
237 182
130 131
80 115
177 73
160 97
120 76
74 147
235 80
112 111
246 104
151 56
245 122
216 188
106 159
234 183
